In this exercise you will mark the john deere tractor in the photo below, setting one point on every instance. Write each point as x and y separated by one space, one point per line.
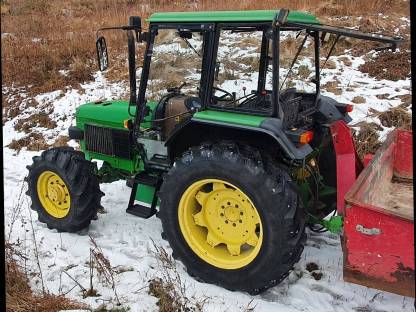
234 176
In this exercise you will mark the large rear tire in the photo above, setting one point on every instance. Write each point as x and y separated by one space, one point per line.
64 189
232 216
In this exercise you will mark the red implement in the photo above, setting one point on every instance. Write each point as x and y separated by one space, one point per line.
378 241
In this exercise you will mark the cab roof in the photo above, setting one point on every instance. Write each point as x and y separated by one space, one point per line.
230 16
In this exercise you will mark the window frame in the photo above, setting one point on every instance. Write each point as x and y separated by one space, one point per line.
263 26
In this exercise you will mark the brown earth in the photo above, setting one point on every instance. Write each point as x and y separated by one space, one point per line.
388 65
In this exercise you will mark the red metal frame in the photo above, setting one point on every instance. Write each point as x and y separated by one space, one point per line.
348 163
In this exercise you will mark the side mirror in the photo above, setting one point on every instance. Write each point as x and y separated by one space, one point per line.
102 54
281 17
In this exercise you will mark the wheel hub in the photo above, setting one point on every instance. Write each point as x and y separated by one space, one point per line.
53 194
230 220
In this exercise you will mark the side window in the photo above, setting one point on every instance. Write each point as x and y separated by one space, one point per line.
177 58
303 70
237 70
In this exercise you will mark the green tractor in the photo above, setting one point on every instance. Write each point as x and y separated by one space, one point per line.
233 178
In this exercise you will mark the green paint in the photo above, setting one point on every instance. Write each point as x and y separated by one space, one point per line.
226 117
111 114
334 224
115 162
231 16
145 193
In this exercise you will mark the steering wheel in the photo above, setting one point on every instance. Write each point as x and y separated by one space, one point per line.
224 96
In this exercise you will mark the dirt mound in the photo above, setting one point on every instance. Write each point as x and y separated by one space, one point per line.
367 139
33 142
396 117
41 119
388 65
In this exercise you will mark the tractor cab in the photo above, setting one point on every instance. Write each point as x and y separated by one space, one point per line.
217 67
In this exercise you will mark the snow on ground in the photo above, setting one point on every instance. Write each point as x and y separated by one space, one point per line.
128 241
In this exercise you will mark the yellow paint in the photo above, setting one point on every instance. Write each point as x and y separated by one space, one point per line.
220 223
53 194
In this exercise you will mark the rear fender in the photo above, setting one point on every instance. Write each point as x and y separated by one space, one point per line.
269 136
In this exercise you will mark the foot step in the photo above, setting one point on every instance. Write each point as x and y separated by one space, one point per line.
141 211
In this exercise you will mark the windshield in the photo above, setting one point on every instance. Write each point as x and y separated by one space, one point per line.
175 60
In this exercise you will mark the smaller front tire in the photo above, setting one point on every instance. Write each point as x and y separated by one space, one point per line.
64 189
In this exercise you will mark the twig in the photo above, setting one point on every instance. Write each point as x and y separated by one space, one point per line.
91 270
36 251
104 266
80 286
17 209
64 294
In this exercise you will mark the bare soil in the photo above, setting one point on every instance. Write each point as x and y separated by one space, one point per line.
388 65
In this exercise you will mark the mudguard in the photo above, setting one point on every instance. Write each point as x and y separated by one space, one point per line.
270 131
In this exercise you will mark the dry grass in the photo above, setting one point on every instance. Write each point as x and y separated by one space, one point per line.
345 60
41 119
19 295
48 36
304 72
62 140
333 87
170 289
33 142
367 139
396 117
358 100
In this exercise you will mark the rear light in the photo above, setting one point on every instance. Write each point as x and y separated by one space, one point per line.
349 108
306 137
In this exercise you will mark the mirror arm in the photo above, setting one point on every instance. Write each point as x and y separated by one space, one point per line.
132 70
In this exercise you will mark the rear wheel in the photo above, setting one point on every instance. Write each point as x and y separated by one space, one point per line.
232 216
64 189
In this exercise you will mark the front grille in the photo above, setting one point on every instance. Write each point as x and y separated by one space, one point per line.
108 141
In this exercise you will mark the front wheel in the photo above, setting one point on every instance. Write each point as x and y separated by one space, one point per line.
64 189
232 217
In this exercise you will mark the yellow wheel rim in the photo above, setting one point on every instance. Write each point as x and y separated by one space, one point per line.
53 194
220 223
